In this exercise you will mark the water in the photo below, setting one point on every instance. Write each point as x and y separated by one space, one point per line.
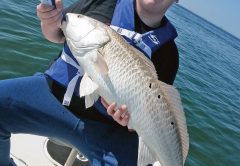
208 78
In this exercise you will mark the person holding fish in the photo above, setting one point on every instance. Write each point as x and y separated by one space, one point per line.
49 103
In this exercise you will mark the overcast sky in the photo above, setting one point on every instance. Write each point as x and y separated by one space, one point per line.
223 13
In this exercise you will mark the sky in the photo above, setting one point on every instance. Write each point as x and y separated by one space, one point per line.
223 13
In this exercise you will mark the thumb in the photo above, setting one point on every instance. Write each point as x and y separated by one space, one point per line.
59 5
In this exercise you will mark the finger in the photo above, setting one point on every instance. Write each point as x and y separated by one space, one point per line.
120 113
56 20
123 108
49 14
104 103
121 118
110 109
125 119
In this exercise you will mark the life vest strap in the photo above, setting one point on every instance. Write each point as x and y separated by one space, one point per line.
135 38
72 84
127 33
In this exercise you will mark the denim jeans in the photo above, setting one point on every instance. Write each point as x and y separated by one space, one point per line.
28 106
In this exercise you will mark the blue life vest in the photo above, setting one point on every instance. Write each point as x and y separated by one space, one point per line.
66 70
149 42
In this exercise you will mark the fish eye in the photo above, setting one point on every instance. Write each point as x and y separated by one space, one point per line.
78 16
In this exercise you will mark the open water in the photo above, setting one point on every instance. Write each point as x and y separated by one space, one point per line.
208 78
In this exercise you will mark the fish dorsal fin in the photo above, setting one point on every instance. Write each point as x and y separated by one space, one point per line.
145 60
145 156
173 97
98 61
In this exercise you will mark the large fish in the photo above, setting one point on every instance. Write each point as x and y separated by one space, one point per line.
120 73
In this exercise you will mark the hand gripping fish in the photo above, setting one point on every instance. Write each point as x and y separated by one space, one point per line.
120 73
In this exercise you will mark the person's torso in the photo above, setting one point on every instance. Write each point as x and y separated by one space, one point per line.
123 17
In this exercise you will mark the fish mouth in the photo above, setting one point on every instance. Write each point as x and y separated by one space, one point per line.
73 42
65 21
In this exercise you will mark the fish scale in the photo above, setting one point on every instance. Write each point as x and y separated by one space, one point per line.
126 76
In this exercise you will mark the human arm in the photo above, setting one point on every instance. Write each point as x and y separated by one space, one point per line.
50 18
166 62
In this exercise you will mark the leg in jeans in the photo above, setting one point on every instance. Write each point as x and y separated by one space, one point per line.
27 106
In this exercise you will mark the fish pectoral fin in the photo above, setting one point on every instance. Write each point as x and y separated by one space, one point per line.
88 89
91 99
145 156
99 63
87 86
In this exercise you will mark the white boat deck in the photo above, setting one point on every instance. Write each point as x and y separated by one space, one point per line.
30 149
